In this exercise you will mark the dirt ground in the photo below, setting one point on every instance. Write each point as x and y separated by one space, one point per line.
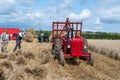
35 62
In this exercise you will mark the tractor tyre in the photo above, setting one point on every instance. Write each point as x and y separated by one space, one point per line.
91 61
55 51
58 48
61 58
53 47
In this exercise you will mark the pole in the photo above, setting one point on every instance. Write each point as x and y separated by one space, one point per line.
40 27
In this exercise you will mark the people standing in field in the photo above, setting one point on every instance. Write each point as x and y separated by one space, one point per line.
42 36
4 41
19 39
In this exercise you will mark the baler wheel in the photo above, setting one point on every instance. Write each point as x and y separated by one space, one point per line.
91 61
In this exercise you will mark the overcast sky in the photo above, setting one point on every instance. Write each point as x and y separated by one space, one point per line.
96 15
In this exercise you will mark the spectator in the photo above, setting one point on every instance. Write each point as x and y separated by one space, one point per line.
42 35
4 40
18 40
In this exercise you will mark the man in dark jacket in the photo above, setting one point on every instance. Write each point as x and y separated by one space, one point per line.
18 40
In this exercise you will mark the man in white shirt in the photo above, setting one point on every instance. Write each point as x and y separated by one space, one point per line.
4 40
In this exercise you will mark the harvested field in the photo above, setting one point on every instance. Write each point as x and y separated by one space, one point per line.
110 48
35 62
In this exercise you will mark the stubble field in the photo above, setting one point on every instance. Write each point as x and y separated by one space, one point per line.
35 62
110 48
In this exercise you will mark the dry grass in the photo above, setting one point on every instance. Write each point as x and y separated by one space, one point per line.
24 64
7 65
2 56
28 55
1 74
37 71
110 48
21 61
44 57
35 62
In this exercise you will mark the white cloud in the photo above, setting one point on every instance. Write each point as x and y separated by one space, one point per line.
108 11
56 12
25 16
22 11
8 1
111 16
83 15
31 16
98 21
8 6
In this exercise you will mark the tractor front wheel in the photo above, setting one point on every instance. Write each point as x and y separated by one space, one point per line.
91 60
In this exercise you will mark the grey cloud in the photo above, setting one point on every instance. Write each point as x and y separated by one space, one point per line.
83 2
110 20
26 2
6 7
60 11
108 11
7 11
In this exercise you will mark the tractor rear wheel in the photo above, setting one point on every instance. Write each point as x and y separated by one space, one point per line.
58 52
91 61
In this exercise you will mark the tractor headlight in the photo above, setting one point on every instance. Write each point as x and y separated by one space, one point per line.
85 47
68 46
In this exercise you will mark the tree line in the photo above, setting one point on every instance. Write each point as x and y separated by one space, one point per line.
101 35
91 35
48 33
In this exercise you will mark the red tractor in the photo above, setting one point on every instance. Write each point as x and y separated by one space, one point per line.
68 42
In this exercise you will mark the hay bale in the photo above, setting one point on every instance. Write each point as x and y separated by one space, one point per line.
117 56
109 52
2 56
1 74
29 37
92 47
28 55
12 57
18 52
31 30
28 70
21 61
36 71
44 57
18 75
7 64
